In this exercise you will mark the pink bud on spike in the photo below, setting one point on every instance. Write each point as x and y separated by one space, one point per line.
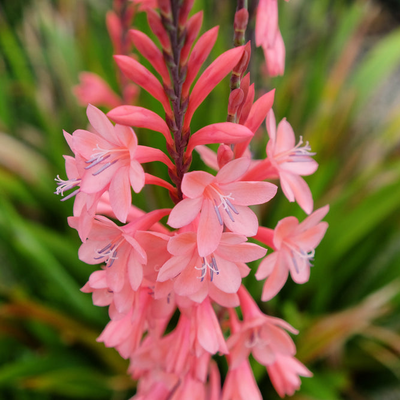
244 85
258 113
142 118
241 66
193 28
247 104
114 28
165 7
199 54
144 78
235 100
157 27
210 78
225 132
149 50
224 155
184 11
240 25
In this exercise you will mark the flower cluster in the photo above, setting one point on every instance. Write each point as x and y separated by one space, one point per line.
192 264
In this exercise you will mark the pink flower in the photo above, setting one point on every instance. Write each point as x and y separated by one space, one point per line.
275 56
269 37
294 244
85 204
284 374
217 274
290 161
126 332
118 248
240 384
94 90
287 162
220 200
259 334
113 159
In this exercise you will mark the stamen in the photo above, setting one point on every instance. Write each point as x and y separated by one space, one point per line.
211 266
296 267
64 185
232 207
228 211
71 195
105 166
297 153
217 212
95 161
113 258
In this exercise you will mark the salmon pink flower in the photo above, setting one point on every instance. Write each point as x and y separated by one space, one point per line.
269 37
85 204
118 248
220 200
94 90
295 246
259 334
287 162
284 374
126 332
112 158
290 161
240 384
197 276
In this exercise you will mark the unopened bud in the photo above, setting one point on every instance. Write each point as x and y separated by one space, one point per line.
165 8
157 27
224 155
184 11
241 66
235 100
240 25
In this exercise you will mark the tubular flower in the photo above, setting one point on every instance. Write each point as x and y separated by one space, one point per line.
112 158
197 276
286 161
220 200
259 334
284 374
295 245
269 37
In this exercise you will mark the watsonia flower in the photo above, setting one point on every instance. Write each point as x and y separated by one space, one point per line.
220 200
294 244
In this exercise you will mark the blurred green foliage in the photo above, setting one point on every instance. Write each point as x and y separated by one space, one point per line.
340 91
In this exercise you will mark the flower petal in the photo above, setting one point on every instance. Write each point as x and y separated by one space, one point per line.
173 267
233 170
300 190
313 219
209 231
276 280
140 117
120 194
267 266
185 212
244 223
194 183
228 280
182 243
135 271
250 193
100 123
